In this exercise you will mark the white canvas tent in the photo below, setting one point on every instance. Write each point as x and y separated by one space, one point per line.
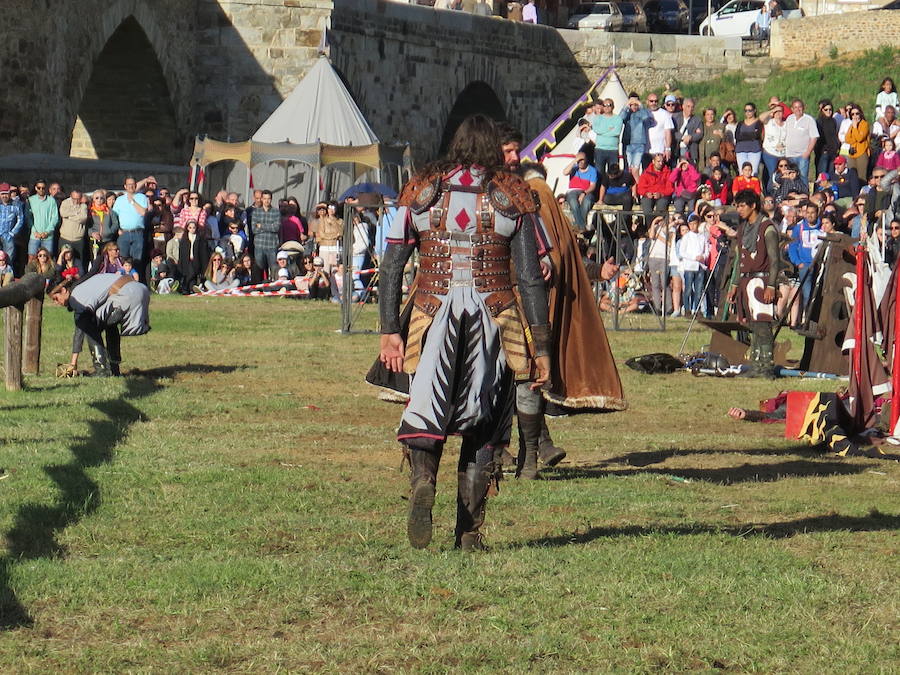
555 147
315 144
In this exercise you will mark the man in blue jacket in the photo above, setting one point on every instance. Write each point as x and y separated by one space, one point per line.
803 247
636 119
12 218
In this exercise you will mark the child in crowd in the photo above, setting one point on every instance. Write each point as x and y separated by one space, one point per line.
746 181
6 270
128 269
888 159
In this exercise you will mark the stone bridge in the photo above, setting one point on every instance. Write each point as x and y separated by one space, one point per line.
137 79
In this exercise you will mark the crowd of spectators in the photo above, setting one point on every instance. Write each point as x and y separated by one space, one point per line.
178 242
683 164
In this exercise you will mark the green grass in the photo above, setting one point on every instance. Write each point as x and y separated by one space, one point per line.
202 516
848 79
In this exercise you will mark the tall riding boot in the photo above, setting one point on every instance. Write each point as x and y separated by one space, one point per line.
474 484
751 367
101 360
548 453
766 350
529 438
423 478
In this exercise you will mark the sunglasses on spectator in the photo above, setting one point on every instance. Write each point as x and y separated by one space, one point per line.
670 103
749 110
827 108
894 229
782 166
878 175
652 100
40 187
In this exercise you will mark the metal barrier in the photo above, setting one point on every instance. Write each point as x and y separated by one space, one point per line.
612 229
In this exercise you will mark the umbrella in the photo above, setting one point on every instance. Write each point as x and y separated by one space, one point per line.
379 188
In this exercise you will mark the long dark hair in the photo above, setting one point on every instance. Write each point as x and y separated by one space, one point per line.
476 142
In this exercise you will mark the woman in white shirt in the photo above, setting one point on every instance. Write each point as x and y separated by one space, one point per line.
773 142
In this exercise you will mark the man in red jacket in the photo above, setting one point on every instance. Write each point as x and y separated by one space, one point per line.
654 188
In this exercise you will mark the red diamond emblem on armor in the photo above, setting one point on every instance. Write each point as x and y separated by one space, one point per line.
462 219
466 178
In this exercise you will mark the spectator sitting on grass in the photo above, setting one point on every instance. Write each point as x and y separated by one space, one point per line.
6 270
67 266
284 270
159 274
219 276
246 272
42 264
108 261
317 282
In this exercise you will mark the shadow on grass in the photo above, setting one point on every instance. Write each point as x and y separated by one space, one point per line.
34 531
170 372
875 521
727 475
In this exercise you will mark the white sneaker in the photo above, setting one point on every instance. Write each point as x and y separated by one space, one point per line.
675 314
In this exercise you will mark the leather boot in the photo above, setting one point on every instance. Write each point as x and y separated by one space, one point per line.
472 495
548 453
529 438
101 361
766 350
751 366
423 477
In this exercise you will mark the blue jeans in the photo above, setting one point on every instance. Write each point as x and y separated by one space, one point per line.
802 166
35 244
824 163
806 286
9 245
771 161
580 210
603 159
634 154
693 289
752 157
131 245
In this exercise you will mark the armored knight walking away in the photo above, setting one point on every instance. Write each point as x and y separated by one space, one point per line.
466 337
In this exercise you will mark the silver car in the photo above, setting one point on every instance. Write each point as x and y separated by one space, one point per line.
596 16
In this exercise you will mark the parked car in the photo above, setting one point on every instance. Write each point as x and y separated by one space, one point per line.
634 19
738 17
596 16
700 8
667 16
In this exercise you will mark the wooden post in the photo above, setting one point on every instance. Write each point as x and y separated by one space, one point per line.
31 361
14 347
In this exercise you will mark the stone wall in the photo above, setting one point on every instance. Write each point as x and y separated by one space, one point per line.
648 61
406 65
803 41
250 56
47 56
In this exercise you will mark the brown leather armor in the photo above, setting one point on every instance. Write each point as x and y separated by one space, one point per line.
488 258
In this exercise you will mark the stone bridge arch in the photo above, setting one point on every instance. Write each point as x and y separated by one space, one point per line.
476 97
136 45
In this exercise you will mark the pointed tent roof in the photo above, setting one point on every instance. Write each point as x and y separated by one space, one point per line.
319 109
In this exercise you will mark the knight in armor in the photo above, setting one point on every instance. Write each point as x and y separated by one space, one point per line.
467 216
583 372
754 280
107 305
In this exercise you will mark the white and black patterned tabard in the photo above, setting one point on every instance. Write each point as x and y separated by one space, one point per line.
462 383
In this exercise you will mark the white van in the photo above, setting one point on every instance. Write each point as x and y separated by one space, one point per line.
737 18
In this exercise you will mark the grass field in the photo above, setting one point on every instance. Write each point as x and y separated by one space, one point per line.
238 506
848 78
